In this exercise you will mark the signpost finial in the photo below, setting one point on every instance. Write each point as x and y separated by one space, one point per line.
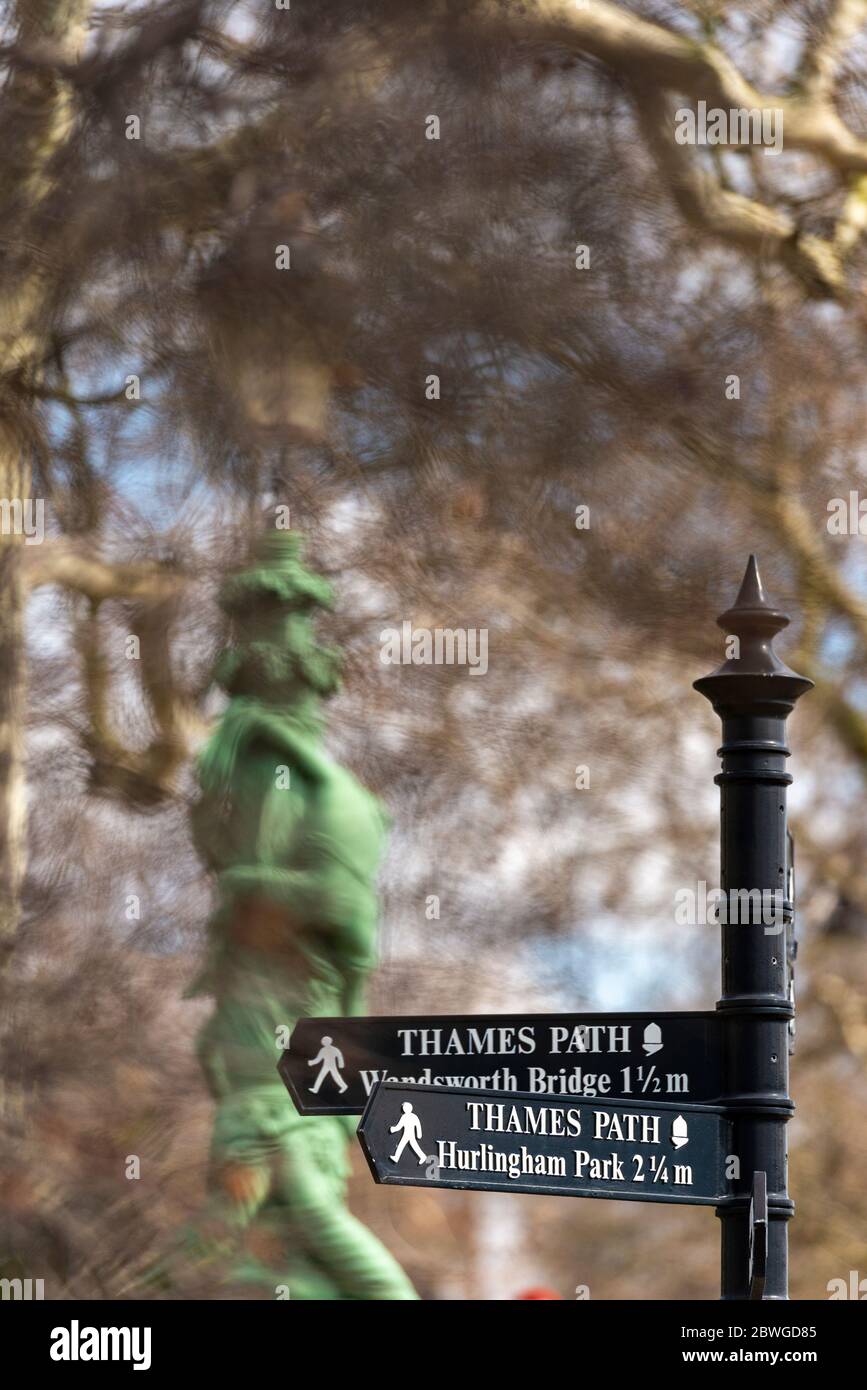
754 623
751 594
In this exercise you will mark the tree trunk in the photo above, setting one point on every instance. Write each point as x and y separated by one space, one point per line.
38 113
14 484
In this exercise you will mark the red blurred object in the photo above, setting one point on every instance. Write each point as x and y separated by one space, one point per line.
538 1293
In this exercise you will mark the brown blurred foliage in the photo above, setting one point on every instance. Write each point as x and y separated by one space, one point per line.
153 257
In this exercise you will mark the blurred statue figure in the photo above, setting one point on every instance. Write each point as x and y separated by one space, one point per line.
295 842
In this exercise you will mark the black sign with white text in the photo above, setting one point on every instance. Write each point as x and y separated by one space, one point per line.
429 1136
332 1065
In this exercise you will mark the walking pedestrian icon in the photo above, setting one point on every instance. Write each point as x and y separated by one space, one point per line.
410 1125
332 1059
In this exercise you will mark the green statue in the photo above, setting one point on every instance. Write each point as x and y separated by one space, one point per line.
295 842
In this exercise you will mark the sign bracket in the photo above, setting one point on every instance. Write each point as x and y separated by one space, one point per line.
758 1235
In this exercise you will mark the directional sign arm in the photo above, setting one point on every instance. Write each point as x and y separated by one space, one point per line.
659 1056
471 1138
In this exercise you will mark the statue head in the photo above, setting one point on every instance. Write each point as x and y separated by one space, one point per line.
274 655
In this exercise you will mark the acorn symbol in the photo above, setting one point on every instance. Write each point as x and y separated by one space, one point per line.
679 1132
652 1038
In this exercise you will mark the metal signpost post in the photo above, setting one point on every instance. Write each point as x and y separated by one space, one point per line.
667 1107
754 693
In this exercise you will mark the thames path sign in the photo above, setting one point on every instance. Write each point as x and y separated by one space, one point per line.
428 1136
333 1064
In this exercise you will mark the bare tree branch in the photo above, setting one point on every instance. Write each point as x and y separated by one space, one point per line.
64 563
642 52
733 219
822 58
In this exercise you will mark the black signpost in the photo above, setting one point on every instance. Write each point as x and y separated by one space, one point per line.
667 1107
754 693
